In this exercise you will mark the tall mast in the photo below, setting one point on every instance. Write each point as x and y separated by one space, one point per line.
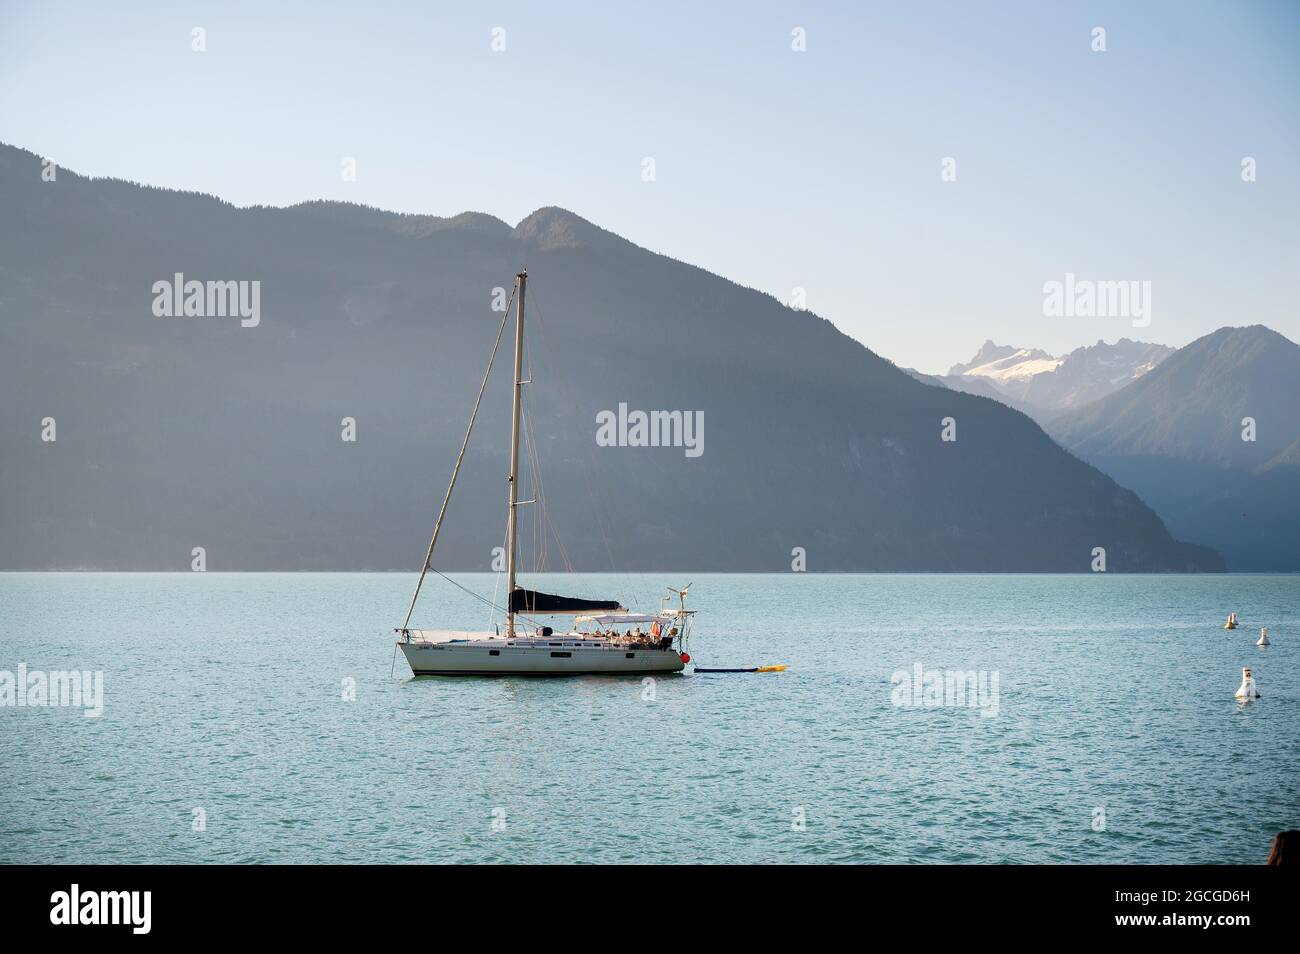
512 521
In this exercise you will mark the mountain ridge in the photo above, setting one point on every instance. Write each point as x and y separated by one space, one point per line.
1178 437
176 433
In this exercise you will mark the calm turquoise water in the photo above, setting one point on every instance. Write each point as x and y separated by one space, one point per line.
224 692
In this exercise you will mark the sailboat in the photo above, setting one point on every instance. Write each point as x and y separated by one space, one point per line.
604 636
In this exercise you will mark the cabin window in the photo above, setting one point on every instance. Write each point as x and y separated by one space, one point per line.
555 644
561 655
494 652
631 655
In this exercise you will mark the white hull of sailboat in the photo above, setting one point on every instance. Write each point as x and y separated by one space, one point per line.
540 652
571 658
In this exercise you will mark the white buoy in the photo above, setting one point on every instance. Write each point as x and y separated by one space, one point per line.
1247 690
1263 636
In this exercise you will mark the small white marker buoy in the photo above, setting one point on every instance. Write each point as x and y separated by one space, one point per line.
1263 636
1247 690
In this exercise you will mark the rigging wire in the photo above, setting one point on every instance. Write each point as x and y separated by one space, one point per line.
544 515
455 472
597 501
542 519
535 484
496 585
480 598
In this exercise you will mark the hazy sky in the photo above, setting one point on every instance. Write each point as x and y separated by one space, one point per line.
778 169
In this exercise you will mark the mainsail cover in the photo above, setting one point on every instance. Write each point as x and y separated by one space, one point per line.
530 601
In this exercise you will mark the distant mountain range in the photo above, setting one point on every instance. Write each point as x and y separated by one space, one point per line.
1168 424
175 433
1211 439
1043 385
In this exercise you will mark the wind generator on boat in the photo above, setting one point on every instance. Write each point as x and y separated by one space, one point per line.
604 638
